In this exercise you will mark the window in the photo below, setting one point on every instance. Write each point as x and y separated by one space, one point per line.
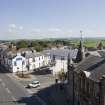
15 63
53 58
19 59
62 58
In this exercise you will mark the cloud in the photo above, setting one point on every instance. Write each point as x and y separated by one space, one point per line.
36 30
12 26
54 30
20 27
10 30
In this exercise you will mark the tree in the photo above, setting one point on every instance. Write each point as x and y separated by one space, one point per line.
100 46
22 44
38 48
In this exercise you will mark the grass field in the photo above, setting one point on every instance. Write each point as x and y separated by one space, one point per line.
88 42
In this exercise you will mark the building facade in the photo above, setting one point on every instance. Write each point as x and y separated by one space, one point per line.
86 81
23 60
59 59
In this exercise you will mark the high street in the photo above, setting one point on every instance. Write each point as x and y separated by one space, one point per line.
12 93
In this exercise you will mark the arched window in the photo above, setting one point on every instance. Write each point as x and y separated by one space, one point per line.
82 82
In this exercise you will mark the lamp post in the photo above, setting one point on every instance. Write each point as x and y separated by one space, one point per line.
22 69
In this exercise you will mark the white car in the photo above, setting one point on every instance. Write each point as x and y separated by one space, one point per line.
34 84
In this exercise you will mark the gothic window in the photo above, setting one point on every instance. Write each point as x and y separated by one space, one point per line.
87 86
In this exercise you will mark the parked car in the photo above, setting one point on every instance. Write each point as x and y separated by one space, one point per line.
34 84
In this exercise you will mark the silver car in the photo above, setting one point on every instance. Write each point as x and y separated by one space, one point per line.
34 84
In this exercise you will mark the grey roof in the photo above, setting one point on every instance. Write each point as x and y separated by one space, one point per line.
25 50
92 65
10 53
32 55
62 52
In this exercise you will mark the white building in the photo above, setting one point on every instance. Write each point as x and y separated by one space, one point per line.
37 60
12 61
18 63
59 58
30 60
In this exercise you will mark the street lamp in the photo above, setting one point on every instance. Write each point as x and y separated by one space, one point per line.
22 69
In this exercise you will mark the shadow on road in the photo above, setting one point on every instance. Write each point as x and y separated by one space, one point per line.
49 96
41 72
3 69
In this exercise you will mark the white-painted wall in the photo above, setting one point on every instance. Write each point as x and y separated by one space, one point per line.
60 65
18 65
40 61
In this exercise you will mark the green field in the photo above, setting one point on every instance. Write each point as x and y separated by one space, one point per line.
89 42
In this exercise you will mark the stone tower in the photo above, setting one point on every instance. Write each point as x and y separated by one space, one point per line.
81 52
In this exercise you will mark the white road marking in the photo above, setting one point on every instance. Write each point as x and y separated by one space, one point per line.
14 99
7 90
0 80
29 91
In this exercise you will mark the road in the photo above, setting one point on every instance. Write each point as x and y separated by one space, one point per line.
13 93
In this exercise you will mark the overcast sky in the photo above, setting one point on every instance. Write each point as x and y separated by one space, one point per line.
51 18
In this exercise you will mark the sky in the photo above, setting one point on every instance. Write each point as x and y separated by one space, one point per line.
35 19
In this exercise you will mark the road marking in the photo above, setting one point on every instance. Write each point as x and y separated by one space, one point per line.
0 80
7 90
14 99
40 100
29 91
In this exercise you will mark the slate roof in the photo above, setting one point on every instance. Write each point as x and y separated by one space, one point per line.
24 49
93 66
10 53
62 52
32 55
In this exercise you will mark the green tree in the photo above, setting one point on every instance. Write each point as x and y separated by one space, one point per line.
38 48
100 46
22 44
